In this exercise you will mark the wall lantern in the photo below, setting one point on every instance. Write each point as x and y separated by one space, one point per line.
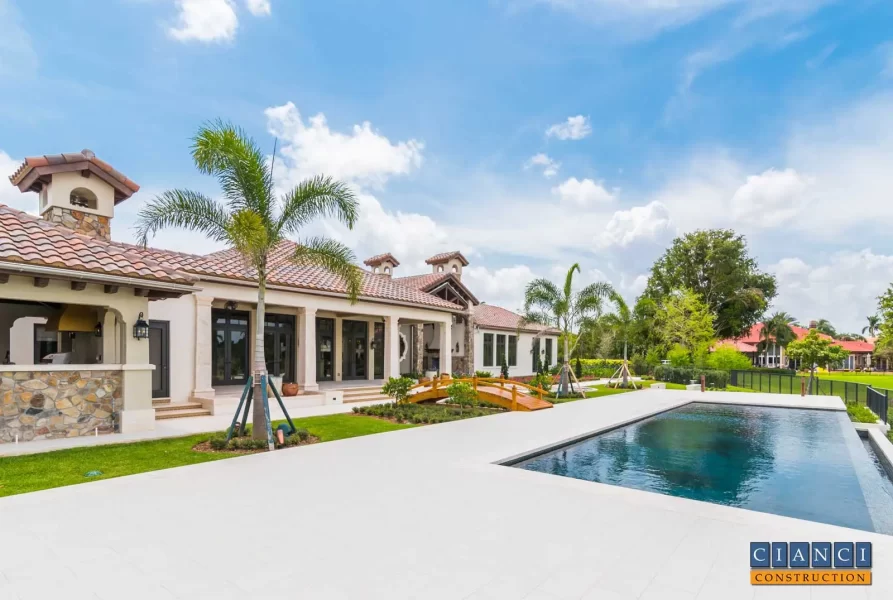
230 305
140 328
97 331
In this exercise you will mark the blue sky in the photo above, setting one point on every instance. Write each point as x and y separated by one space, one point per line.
529 134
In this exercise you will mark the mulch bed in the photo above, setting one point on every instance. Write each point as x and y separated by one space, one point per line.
206 447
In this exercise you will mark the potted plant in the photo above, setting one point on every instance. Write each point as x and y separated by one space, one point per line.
289 389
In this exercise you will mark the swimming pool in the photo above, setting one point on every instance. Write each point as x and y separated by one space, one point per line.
808 464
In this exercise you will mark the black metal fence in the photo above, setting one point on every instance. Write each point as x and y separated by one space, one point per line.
784 383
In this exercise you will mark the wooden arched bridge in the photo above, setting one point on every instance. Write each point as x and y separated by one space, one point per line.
512 395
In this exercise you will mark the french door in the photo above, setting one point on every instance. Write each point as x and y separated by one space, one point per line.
279 346
355 340
229 363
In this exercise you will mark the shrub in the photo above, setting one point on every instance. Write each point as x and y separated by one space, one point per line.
397 388
727 358
462 394
598 367
541 381
411 375
504 369
420 414
685 375
860 414
578 368
679 356
484 374
639 366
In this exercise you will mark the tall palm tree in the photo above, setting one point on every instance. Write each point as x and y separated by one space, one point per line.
254 221
777 330
621 322
547 304
825 326
874 324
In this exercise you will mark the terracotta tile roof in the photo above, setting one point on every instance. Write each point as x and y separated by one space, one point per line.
752 338
228 264
445 256
422 282
49 161
380 258
30 240
738 345
494 317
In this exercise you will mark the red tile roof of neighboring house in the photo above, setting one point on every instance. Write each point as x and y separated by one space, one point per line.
494 317
380 258
445 256
27 239
752 338
50 163
228 264
738 345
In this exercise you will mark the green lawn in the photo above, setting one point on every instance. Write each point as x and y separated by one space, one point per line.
883 380
21 474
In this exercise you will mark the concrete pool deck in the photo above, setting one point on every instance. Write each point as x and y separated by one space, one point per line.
419 513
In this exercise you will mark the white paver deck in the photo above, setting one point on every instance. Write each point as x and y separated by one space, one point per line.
419 513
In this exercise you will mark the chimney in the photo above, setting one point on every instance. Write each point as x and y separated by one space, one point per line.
382 264
75 190
448 262
813 324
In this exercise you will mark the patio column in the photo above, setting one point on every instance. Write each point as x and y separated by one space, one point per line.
391 347
110 343
307 351
418 343
203 347
446 343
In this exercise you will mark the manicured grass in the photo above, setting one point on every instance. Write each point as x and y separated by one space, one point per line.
21 474
882 380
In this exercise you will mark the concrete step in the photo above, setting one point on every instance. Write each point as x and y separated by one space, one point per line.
160 401
178 406
364 398
363 391
181 414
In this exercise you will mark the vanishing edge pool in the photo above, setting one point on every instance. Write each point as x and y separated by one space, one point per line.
807 464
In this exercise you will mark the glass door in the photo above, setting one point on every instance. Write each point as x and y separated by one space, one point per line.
325 349
230 338
355 335
279 344
378 340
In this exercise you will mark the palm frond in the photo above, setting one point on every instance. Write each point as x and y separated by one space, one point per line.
569 279
231 155
534 317
317 197
591 298
184 209
334 257
541 294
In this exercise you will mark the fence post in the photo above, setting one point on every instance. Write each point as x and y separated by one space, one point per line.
703 382
514 398
803 386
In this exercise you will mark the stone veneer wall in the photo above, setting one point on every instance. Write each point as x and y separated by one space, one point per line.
40 405
95 226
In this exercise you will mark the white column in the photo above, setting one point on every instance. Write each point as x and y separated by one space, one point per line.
446 343
110 338
204 347
391 347
307 351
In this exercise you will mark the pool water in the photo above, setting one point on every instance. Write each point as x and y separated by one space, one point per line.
808 464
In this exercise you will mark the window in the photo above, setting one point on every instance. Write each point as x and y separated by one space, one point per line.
83 198
440 269
387 270
488 349
548 352
500 350
513 351
536 354
455 268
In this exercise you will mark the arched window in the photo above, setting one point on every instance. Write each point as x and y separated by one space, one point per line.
440 269
375 271
83 198
455 268
387 270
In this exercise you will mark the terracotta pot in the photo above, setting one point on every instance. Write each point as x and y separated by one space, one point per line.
289 389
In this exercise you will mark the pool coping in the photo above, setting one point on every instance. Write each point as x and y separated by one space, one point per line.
526 455
882 446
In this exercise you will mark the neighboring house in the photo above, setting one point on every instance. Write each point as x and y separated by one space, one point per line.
774 356
67 289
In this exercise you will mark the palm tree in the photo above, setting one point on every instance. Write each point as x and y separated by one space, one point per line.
874 324
254 221
825 326
777 329
546 304
621 322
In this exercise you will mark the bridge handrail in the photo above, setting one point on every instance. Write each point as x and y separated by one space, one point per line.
436 382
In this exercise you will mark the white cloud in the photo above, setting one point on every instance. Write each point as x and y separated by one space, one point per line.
501 287
212 20
886 55
575 128
550 166
258 8
771 199
583 194
842 288
363 156
640 223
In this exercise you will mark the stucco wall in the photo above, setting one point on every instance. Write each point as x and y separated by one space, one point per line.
62 184
525 358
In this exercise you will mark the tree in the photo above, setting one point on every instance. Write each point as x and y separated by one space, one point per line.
397 388
777 330
621 323
873 326
825 326
578 369
816 351
253 221
684 320
727 358
884 344
546 304
504 368
715 264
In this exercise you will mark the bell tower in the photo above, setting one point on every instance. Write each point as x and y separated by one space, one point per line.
448 262
75 190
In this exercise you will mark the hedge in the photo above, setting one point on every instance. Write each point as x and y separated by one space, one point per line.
599 367
685 375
